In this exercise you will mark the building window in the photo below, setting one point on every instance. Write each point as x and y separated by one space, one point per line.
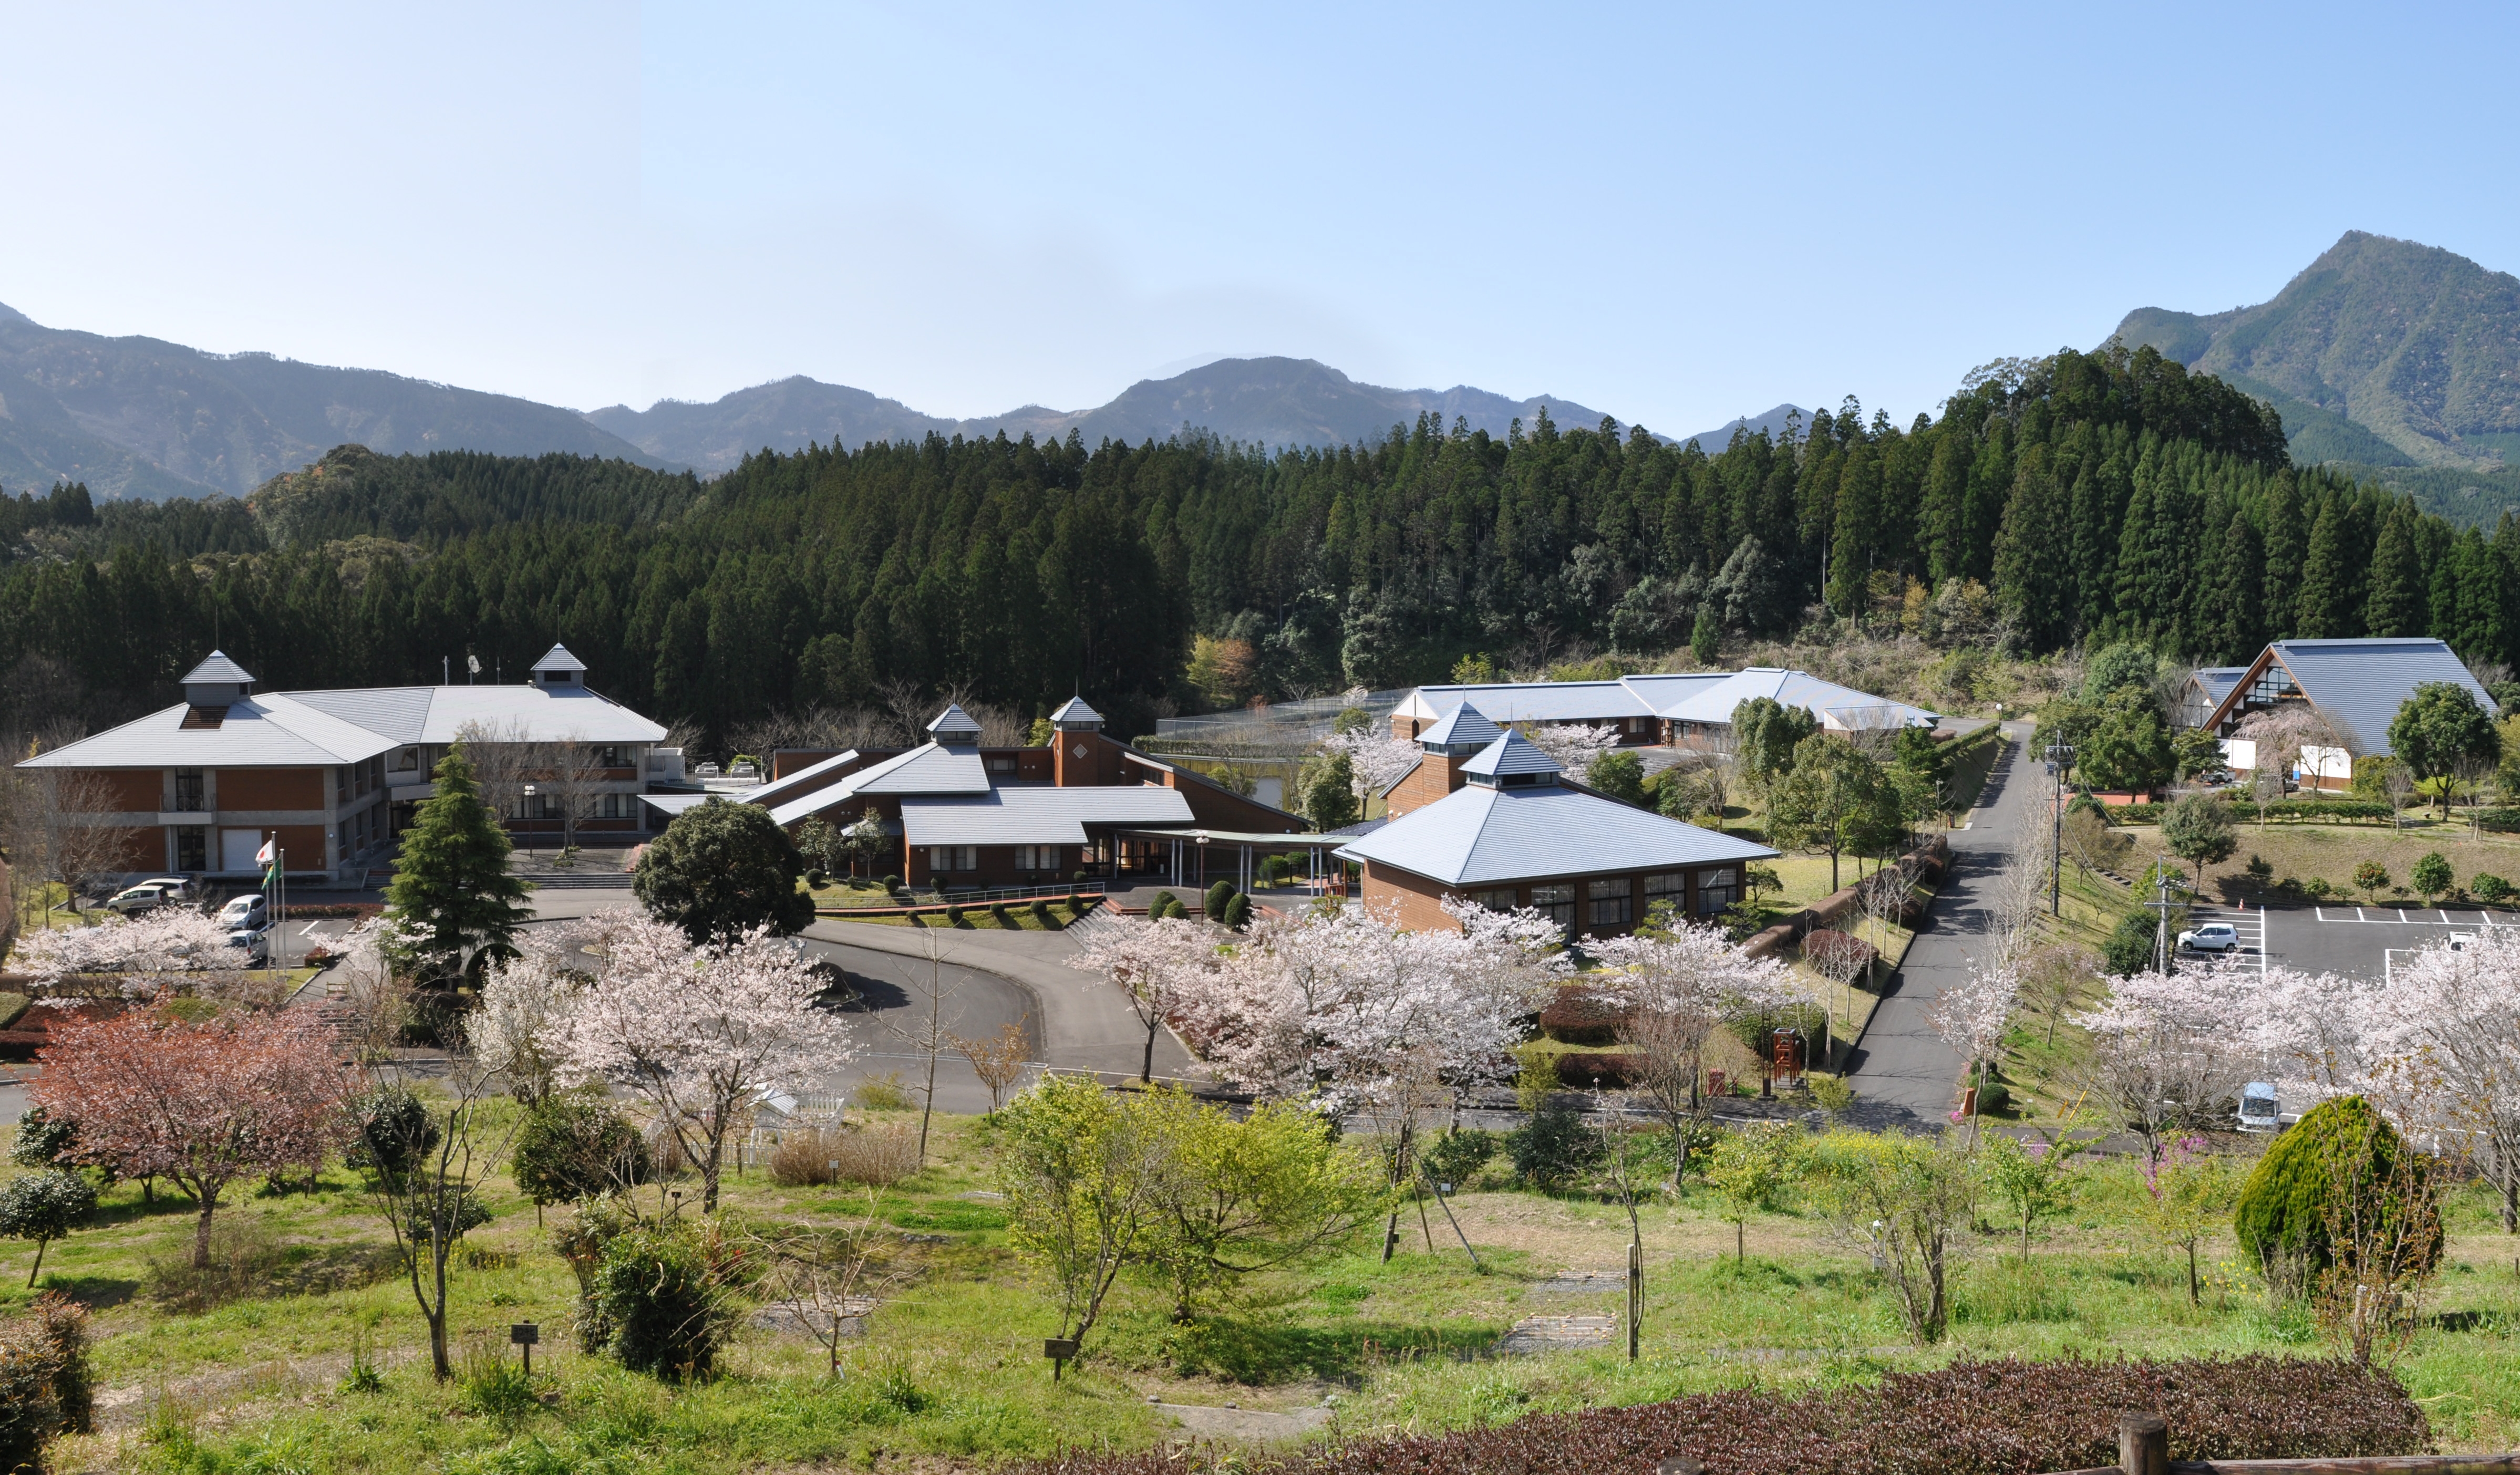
1036 858
341 781
190 796
192 848
946 858
1717 890
1496 901
1556 902
407 761
1005 765
1611 901
611 757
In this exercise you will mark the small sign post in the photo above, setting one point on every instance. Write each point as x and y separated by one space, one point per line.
525 1334
1059 1350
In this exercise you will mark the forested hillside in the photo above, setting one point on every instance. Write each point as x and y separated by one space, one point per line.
2094 496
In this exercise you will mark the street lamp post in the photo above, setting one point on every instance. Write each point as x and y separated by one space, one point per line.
2058 755
529 821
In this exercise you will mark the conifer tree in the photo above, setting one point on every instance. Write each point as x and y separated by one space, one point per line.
2397 605
2324 606
2287 543
451 889
2030 567
1990 492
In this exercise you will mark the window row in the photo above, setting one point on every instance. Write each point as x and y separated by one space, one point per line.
1611 901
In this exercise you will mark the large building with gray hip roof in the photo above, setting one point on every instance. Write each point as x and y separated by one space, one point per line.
196 788
2352 688
1690 709
1493 821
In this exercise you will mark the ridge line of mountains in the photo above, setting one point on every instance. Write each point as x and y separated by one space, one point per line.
2385 356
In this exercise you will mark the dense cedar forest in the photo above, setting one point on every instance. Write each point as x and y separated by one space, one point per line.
2096 497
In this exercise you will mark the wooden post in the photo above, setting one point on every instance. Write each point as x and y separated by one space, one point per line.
1636 1295
2143 1444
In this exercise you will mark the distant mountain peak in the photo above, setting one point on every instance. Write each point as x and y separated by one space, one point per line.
8 314
2382 351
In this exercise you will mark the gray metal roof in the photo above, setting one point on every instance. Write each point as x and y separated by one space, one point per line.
931 769
1039 816
1840 708
2218 680
1513 753
259 732
804 780
216 669
441 714
1465 724
1481 837
2360 683
558 659
1532 700
954 725
1074 709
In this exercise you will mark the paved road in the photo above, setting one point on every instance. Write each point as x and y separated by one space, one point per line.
1902 1064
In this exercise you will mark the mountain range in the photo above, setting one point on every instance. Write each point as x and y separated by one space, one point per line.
2380 353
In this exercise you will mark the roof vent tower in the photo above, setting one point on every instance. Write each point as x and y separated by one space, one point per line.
954 728
1512 761
558 670
217 682
1075 716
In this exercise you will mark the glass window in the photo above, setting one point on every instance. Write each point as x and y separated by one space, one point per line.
1496 901
1610 898
1556 902
950 858
1663 883
1717 890
192 848
189 793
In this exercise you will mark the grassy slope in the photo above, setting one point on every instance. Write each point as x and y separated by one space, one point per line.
950 1368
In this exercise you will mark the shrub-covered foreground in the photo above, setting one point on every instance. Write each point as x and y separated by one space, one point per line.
2005 1418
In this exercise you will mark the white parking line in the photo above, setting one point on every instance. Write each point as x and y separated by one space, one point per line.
2401 919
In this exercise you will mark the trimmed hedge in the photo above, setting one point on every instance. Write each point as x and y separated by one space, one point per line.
2298 810
2002 1418
1577 1016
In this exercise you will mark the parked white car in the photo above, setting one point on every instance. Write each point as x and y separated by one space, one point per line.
2212 937
254 943
251 910
150 895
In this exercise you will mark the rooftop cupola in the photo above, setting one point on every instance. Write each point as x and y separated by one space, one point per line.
1075 716
954 728
1512 761
217 682
1459 733
558 670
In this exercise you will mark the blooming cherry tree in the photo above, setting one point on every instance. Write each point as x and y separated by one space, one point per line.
1970 1016
202 1105
1574 744
138 955
1376 760
2165 1049
703 1032
1164 969
514 1029
2442 1051
1675 990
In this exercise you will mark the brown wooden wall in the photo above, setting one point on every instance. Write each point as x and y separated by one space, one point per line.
271 788
132 791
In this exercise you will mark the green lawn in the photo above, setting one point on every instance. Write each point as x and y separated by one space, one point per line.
950 1370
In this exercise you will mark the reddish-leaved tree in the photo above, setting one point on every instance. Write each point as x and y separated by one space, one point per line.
202 1105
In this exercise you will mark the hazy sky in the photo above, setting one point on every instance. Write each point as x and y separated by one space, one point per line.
1673 215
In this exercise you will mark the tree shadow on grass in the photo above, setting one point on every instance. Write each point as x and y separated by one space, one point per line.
1255 1351
95 1292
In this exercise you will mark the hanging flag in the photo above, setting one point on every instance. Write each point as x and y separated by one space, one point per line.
268 853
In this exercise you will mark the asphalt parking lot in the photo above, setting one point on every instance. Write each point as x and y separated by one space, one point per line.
2348 939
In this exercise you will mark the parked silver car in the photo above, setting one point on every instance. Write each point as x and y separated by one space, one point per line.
150 895
2212 937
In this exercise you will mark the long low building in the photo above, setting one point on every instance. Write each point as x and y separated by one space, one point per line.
969 816
1690 709
332 776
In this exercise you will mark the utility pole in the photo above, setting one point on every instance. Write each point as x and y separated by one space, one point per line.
2161 912
2058 755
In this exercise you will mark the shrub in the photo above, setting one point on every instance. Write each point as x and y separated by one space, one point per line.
41 1141
2132 944
2370 876
1994 1097
1554 1147
952 913
815 1156
1828 950
44 1384
576 1147
1238 911
657 1303
1217 896
816 880
43 1207
1968 1418
1456 1155
893 883
13 1007
1578 1015
2489 888
998 913
2291 1198
395 1131
2432 875
1077 906
1041 915
882 1093
1162 905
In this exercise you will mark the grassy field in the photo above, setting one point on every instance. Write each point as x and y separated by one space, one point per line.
2330 852
248 1370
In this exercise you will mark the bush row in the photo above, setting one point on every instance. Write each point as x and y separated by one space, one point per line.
2006 1417
2289 809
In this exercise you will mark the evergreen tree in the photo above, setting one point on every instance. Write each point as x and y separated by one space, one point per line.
2323 607
2232 616
451 890
2287 546
2032 569
2397 605
1989 491
720 869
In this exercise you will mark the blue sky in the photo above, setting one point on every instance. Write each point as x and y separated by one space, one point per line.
1672 215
